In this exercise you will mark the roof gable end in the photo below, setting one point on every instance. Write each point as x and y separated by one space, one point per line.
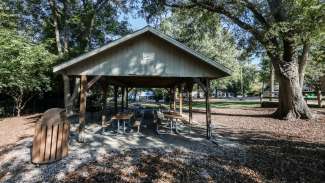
136 34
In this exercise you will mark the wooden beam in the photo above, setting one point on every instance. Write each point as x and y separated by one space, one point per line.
83 98
92 82
115 81
208 109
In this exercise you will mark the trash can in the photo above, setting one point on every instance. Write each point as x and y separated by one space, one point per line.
51 137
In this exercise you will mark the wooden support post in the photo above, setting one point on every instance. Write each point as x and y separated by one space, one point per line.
115 99
83 98
170 99
174 98
104 104
122 99
67 94
190 114
126 98
208 109
180 99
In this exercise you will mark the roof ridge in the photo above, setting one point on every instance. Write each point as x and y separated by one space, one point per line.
136 33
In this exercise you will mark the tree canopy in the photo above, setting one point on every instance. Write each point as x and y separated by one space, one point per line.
201 31
25 68
70 27
284 30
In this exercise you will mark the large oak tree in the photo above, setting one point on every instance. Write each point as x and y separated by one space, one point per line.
284 29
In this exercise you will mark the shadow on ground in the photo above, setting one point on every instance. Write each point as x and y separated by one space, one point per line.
239 156
280 159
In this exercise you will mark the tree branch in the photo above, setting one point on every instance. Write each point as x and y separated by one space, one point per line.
100 4
252 7
302 61
27 100
221 10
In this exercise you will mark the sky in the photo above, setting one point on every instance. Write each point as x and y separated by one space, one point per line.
135 22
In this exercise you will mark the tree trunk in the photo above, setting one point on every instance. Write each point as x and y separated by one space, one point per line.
271 82
19 104
55 17
18 98
66 10
291 101
70 99
319 97
302 59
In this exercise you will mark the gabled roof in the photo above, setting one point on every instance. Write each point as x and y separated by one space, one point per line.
134 35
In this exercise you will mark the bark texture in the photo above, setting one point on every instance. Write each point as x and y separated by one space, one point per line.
70 98
55 17
291 101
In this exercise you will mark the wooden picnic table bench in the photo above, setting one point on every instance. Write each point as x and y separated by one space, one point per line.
122 117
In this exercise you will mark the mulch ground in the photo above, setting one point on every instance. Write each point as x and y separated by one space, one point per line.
278 150
275 151
272 150
139 165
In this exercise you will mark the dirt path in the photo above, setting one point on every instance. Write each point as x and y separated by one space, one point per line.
16 128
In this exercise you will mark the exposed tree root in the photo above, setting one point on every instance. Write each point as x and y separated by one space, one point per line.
292 115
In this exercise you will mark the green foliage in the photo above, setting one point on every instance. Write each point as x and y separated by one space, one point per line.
316 67
159 93
202 31
24 67
248 82
83 25
264 72
8 19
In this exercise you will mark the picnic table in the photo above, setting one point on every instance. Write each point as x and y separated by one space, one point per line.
122 117
173 117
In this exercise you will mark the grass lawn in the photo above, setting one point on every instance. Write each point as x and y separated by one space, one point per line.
228 104
222 104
